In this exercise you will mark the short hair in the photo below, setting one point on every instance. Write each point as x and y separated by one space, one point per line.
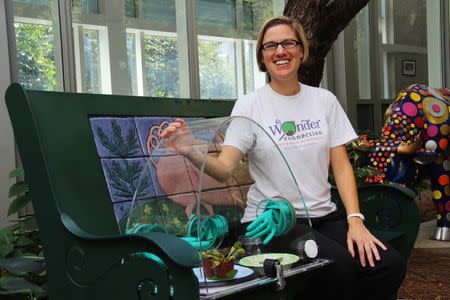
281 20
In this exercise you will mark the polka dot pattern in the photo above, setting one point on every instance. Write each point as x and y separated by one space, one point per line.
418 112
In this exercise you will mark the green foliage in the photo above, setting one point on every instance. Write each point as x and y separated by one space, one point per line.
161 66
19 190
116 144
364 174
217 73
35 56
22 267
217 256
91 60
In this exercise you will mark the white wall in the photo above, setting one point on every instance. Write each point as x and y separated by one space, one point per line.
7 155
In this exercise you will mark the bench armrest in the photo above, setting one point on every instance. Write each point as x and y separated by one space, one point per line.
93 258
176 250
390 212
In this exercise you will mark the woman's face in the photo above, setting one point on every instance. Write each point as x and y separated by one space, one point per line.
282 64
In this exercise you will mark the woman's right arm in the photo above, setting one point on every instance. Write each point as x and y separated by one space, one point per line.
179 139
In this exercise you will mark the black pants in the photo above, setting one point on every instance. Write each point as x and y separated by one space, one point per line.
345 278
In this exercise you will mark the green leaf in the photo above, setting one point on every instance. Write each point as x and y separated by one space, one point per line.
29 224
6 249
18 204
17 252
17 189
16 172
23 265
8 232
13 283
24 241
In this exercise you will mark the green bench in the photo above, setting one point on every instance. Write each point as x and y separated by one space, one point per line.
66 143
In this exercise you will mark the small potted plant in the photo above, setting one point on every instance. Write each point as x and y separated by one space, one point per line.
220 263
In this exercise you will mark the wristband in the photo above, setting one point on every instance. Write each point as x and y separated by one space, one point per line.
355 215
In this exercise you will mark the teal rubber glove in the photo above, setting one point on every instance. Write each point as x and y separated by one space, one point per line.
212 231
264 225
277 218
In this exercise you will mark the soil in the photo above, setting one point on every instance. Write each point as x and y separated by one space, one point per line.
428 275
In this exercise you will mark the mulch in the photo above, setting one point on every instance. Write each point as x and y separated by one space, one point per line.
428 275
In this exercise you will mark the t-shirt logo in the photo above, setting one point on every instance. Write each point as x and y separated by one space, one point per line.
296 131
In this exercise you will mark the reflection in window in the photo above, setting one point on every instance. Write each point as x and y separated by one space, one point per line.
253 77
363 51
217 64
85 6
248 8
91 61
130 8
131 55
161 66
217 13
35 56
404 37
160 11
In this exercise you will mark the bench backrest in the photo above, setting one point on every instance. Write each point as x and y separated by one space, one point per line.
59 140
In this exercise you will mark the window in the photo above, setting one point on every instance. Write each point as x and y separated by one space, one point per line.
37 45
85 6
142 47
403 37
217 63
161 65
92 59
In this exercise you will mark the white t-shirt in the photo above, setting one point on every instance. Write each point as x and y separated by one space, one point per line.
304 127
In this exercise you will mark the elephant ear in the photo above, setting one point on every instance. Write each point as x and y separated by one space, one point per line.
424 156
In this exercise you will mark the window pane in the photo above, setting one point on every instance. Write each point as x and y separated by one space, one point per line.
217 63
404 55
37 45
160 11
161 66
363 51
85 6
128 47
217 13
130 8
92 61
253 77
132 71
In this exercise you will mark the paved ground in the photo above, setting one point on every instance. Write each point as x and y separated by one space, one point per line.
428 275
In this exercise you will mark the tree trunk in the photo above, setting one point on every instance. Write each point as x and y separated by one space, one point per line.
322 20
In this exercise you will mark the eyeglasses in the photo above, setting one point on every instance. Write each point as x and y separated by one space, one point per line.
286 44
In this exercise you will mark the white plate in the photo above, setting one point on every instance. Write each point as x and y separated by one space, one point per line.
257 261
241 273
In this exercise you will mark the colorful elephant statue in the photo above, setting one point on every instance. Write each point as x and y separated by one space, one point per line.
415 137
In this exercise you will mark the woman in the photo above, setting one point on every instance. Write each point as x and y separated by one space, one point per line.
361 261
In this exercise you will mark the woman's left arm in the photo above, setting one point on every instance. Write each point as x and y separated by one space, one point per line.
357 233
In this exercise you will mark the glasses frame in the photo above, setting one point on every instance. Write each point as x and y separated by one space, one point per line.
280 43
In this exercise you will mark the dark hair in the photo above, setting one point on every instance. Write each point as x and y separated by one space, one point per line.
281 20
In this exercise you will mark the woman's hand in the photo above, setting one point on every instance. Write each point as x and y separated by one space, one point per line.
178 137
365 242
